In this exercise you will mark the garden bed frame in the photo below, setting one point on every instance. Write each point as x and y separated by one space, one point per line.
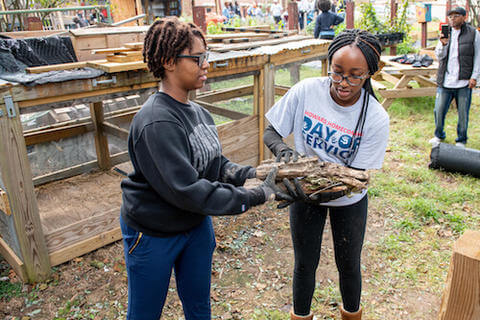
23 242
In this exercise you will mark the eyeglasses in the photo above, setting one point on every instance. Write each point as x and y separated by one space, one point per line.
351 80
200 58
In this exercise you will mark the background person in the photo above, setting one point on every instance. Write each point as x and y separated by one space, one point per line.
179 180
458 71
276 9
325 21
338 119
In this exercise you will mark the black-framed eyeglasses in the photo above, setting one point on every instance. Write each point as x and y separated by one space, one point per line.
200 58
351 80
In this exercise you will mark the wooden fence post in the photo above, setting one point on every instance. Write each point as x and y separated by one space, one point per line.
17 178
268 100
350 19
461 298
199 18
101 141
292 16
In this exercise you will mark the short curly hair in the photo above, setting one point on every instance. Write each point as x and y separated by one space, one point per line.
324 5
165 40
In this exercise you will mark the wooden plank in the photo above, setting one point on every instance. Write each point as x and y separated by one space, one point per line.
122 58
78 169
85 246
224 36
233 66
111 50
424 81
55 134
403 82
118 40
461 298
17 178
4 204
13 260
259 110
125 116
80 95
66 89
222 111
139 8
134 45
240 139
377 85
226 94
123 9
408 93
281 90
91 42
62 66
112 129
269 100
101 140
389 77
257 44
82 230
112 67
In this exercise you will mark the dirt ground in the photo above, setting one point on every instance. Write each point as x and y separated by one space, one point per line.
251 279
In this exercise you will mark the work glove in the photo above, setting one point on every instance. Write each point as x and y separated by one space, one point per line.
286 154
252 173
296 193
272 192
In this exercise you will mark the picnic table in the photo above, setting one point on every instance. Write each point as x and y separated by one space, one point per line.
401 76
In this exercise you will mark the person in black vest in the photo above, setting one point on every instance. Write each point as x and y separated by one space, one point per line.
457 75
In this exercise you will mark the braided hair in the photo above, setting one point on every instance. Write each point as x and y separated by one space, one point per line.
367 43
371 50
165 40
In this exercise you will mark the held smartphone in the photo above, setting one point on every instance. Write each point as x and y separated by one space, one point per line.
445 31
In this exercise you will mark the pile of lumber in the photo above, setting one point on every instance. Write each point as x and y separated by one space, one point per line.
128 53
315 176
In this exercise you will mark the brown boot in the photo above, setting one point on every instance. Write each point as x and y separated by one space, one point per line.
351 315
293 316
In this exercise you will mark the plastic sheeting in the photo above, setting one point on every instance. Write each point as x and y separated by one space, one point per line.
51 76
455 159
18 54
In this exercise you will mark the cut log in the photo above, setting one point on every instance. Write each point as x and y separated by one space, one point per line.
461 298
315 176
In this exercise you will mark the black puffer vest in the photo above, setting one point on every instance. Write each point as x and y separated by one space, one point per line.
466 52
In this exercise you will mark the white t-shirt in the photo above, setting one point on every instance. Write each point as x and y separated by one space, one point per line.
323 128
276 10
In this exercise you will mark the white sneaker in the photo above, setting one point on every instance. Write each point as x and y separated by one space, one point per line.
460 144
434 141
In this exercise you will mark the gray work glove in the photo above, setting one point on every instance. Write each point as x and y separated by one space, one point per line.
286 154
252 173
297 194
272 192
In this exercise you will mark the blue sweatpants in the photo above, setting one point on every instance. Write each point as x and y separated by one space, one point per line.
150 260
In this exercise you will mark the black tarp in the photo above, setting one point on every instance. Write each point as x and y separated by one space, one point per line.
18 54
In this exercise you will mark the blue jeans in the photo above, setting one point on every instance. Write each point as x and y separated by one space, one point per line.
150 260
463 98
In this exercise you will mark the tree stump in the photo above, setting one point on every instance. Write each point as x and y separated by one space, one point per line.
461 298
315 176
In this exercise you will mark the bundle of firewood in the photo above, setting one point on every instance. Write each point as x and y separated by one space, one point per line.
315 176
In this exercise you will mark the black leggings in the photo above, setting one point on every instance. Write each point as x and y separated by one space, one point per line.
348 229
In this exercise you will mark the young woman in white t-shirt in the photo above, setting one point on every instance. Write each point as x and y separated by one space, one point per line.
338 119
